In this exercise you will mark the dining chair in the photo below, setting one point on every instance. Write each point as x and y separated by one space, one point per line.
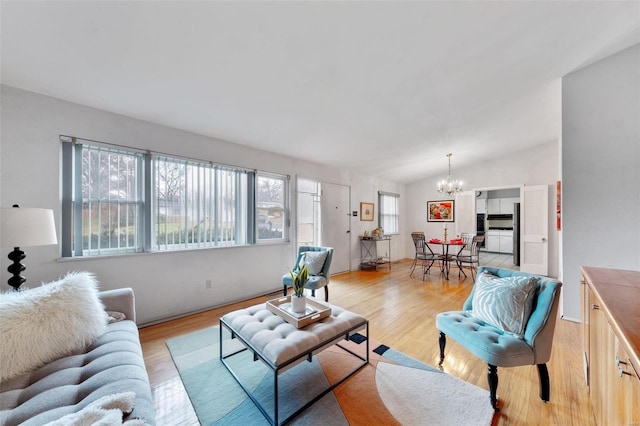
467 239
417 237
470 255
423 254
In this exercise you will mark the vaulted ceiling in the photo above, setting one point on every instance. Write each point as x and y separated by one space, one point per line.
379 88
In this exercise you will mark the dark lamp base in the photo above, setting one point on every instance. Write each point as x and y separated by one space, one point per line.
16 268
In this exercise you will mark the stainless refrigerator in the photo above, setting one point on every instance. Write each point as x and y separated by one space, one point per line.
516 234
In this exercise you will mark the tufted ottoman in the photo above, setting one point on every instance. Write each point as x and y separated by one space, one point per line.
280 345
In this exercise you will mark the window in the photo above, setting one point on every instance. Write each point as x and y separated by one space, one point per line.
308 219
197 204
271 212
388 212
107 202
118 200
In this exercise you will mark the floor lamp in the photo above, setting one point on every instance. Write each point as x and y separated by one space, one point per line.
24 227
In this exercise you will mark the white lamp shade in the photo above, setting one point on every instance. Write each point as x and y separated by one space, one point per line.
27 227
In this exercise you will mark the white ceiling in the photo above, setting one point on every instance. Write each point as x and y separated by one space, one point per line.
380 88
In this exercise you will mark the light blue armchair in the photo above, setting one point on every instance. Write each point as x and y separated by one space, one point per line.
316 281
501 349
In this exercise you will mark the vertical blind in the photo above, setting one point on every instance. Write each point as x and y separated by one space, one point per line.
388 212
117 200
196 204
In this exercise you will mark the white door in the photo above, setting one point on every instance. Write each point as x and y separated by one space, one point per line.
335 218
534 229
464 214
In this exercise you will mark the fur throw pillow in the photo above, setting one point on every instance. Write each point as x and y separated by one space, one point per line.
106 411
45 323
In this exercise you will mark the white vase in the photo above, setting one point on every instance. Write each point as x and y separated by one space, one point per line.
298 304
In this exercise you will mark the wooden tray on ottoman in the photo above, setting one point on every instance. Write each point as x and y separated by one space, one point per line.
317 311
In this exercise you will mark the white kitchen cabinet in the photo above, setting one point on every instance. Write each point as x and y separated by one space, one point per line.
506 205
506 242
493 241
501 205
499 241
481 205
493 206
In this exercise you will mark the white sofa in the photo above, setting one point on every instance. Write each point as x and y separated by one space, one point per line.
110 365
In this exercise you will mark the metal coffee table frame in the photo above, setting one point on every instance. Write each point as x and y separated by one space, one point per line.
277 368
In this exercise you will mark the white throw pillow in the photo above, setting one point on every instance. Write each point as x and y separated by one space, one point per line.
314 261
45 323
506 302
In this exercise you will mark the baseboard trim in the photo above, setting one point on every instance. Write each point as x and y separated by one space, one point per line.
275 293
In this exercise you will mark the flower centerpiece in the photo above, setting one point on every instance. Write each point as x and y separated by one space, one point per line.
378 233
299 278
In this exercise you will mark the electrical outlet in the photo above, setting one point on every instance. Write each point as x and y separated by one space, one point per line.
207 284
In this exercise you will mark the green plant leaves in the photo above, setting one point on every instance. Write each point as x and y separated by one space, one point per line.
299 280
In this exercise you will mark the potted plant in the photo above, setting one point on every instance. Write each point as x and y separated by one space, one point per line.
298 302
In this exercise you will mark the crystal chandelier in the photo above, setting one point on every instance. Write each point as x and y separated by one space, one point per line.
449 185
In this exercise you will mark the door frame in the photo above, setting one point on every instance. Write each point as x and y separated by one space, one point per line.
320 222
498 188
522 204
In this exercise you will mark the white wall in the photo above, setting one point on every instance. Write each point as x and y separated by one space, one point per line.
600 169
533 166
166 284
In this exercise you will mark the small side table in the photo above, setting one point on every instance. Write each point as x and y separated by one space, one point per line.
369 257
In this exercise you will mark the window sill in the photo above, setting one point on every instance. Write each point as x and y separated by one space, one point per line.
166 252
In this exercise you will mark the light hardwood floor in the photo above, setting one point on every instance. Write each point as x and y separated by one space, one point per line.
401 311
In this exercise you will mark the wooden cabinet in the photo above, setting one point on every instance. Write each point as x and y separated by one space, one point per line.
626 384
611 342
598 358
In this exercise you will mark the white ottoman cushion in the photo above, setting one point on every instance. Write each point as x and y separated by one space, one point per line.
279 342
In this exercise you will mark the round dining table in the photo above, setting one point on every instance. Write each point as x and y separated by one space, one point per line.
445 257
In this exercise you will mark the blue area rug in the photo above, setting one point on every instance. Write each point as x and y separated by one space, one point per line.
392 389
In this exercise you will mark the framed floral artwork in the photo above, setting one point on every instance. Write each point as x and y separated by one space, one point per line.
441 211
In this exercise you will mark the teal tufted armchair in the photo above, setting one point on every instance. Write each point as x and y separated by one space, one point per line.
498 348
315 281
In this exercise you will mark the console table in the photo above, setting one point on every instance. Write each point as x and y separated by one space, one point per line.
370 256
